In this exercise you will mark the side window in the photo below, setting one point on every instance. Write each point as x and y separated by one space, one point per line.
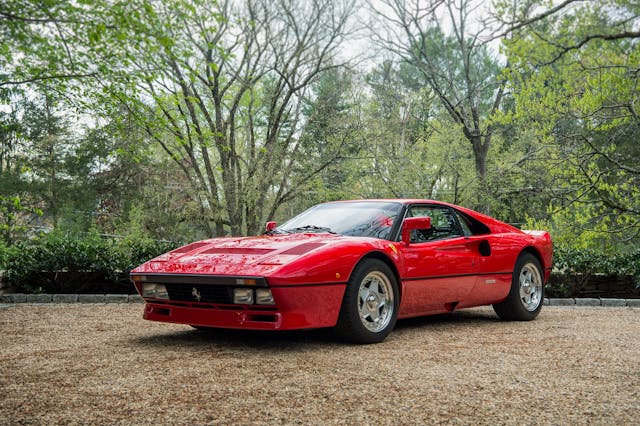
465 224
471 226
443 223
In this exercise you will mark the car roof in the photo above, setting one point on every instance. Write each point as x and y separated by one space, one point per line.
395 200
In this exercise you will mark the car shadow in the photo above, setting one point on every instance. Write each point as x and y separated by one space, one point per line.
241 339
462 317
297 340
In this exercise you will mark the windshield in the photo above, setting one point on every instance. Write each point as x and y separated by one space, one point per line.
355 218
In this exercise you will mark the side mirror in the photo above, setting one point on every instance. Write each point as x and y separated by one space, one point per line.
271 226
412 223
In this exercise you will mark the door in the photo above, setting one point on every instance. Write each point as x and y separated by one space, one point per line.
440 263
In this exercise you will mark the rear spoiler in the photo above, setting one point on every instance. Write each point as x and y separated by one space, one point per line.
532 232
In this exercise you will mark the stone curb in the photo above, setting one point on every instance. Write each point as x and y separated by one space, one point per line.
65 298
562 302
70 298
12 298
588 301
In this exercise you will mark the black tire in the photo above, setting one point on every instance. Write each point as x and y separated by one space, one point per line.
370 304
524 301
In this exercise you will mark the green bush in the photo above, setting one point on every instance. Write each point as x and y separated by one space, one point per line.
6 253
593 262
60 263
576 268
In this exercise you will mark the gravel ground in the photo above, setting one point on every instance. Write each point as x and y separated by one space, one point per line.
88 364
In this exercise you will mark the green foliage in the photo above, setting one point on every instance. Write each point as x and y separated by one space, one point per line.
7 252
589 262
60 263
575 93
36 158
330 141
11 225
50 43
221 90
575 268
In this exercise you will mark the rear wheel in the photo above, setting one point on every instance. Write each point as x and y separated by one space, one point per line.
370 304
527 288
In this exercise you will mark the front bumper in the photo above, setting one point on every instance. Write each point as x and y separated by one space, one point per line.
297 307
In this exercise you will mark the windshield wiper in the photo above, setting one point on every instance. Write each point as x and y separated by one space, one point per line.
276 231
310 228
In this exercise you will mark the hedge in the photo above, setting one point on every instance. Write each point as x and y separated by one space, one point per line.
57 263
590 273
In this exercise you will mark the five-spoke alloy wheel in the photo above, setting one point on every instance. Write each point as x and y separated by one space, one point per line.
376 301
527 288
530 282
370 304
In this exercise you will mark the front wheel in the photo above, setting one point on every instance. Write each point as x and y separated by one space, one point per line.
370 304
527 288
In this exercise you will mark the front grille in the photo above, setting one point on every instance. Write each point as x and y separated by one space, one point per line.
208 293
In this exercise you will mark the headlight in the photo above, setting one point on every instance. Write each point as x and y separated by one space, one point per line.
243 296
155 291
264 296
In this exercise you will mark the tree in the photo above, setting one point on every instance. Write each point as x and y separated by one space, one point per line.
35 145
332 136
514 16
459 68
45 42
575 81
122 180
13 218
220 89
412 152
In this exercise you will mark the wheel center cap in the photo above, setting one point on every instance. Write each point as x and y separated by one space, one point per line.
372 300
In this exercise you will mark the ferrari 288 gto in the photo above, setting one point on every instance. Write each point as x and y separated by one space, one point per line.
356 266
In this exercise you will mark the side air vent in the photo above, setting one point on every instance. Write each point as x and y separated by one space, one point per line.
485 248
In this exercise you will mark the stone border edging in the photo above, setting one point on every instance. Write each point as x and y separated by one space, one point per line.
603 301
135 298
70 298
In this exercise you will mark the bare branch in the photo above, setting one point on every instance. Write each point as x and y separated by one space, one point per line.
38 78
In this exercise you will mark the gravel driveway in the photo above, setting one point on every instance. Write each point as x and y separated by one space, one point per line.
104 364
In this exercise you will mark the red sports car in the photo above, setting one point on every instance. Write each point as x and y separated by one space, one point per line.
357 266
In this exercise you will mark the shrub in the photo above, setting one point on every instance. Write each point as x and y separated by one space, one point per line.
577 268
59 263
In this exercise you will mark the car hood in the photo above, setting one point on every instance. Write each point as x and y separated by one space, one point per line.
246 256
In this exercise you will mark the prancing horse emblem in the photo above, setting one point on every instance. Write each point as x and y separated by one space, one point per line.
196 294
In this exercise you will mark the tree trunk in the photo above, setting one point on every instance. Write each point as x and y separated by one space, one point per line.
480 152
